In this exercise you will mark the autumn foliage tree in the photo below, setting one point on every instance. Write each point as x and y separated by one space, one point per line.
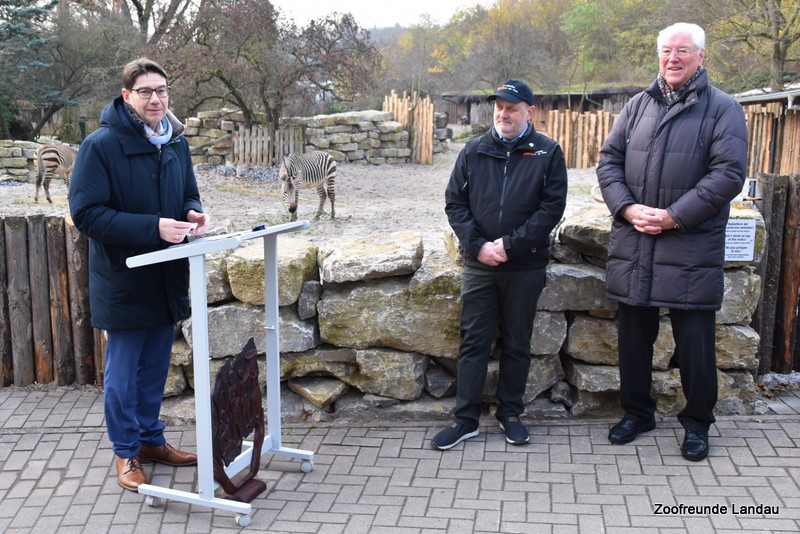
242 54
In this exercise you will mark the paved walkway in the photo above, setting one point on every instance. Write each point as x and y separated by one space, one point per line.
56 475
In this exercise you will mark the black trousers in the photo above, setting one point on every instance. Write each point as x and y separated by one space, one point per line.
694 332
489 299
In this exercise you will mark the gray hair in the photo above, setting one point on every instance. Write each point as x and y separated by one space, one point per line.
696 32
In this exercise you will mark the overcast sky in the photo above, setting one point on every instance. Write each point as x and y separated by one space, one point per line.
371 14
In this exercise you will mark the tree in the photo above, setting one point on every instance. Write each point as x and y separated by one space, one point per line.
746 29
242 53
84 57
21 38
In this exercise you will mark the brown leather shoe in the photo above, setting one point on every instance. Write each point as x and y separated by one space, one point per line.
130 473
167 454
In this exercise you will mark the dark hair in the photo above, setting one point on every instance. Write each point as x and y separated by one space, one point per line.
136 68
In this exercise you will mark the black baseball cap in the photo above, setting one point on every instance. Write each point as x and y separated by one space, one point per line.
513 91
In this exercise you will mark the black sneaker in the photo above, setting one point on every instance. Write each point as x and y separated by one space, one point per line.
516 433
452 436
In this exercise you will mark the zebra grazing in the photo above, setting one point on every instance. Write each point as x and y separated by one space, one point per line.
52 160
304 171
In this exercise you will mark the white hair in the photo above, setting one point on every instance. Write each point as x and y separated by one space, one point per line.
696 32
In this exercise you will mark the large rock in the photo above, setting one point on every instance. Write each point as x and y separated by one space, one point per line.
587 231
389 313
351 259
218 289
297 262
575 287
544 373
391 373
594 378
320 390
549 333
737 346
594 341
740 300
231 325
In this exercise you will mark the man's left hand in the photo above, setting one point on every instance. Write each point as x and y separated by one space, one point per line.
202 220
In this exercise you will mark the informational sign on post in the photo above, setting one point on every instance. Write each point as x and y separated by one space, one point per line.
740 240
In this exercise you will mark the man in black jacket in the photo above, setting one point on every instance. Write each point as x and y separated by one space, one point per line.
507 192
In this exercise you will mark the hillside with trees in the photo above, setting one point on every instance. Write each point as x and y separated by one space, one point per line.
64 58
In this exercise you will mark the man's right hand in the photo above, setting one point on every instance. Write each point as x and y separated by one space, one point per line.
489 255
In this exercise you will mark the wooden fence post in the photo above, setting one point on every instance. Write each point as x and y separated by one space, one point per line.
82 335
786 342
774 211
19 300
6 363
63 355
40 300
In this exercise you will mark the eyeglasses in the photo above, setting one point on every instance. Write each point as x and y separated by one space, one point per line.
146 92
680 52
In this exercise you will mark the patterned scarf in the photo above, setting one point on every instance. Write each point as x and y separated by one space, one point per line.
671 96
153 137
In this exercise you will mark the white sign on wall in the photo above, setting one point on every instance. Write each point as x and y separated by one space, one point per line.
740 239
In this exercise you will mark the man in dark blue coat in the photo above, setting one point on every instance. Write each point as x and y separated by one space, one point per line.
671 165
133 191
507 192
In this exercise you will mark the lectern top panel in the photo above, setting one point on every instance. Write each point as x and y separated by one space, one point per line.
207 245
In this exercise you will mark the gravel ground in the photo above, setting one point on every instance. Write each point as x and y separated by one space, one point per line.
370 199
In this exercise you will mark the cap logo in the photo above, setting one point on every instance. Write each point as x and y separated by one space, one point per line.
507 87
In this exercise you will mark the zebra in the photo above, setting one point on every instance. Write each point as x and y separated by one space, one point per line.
52 160
302 171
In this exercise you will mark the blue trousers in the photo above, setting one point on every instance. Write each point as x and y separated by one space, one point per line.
489 298
137 363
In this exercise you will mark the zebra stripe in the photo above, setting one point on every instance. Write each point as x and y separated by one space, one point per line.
52 160
303 171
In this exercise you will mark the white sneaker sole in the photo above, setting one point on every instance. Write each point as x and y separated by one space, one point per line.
456 442
511 441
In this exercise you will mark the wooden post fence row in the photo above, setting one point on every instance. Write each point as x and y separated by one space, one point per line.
264 146
415 115
45 330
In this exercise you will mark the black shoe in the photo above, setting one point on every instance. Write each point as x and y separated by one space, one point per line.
452 436
516 433
628 429
695 445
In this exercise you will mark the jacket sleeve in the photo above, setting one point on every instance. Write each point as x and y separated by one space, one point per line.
91 205
535 231
191 193
611 167
457 207
727 167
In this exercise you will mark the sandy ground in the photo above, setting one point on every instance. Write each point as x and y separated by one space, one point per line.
370 199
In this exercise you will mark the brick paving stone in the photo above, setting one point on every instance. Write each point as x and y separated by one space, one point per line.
369 478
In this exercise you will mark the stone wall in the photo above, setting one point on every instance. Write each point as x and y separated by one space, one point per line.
358 136
369 327
16 160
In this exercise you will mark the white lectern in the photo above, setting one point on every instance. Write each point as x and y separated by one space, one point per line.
196 252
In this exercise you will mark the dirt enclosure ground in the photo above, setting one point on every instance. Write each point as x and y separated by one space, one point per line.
371 200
